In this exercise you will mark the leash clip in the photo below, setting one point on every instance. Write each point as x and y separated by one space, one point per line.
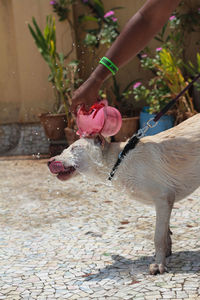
141 132
153 125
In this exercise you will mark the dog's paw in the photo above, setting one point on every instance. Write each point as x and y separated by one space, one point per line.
155 269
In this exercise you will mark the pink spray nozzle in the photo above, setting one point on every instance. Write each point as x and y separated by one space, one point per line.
101 118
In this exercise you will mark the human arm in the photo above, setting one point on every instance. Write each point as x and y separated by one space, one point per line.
138 31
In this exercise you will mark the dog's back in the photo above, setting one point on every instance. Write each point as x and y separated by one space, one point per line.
168 160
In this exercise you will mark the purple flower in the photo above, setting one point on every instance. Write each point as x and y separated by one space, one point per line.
137 84
172 18
199 10
114 19
52 2
144 55
85 1
159 49
109 14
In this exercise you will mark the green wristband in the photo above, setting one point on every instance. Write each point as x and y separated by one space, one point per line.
109 65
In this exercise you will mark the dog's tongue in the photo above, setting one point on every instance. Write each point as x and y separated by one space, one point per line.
56 167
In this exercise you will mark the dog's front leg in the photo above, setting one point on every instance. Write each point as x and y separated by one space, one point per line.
161 240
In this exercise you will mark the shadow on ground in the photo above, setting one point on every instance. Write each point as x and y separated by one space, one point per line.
178 263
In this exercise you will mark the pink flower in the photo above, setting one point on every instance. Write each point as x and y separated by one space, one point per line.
137 84
114 19
158 49
172 18
144 55
109 14
52 2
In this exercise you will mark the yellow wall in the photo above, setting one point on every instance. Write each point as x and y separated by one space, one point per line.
24 88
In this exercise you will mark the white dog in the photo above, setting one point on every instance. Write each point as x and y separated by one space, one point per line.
162 169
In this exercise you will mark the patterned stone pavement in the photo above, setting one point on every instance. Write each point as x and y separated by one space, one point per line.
79 240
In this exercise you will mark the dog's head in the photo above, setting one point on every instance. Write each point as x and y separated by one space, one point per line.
84 156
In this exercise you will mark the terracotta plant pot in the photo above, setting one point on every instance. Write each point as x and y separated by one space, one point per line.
54 125
70 135
129 127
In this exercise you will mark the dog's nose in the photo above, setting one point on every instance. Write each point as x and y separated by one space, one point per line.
50 161
55 166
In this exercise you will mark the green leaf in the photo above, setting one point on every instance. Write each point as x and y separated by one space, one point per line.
50 77
61 57
98 6
163 30
87 18
33 33
198 62
117 7
39 33
158 39
43 50
130 83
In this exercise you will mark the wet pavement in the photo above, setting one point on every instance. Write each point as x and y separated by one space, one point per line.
79 240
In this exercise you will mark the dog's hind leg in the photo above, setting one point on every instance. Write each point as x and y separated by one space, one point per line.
162 238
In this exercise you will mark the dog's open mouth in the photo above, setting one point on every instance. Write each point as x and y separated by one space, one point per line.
62 172
66 174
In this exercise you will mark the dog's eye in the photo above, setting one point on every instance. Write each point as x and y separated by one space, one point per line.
74 148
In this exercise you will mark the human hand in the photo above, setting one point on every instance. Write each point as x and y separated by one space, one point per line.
86 94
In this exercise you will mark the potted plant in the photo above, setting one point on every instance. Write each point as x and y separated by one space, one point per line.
155 100
104 28
167 82
63 78
167 67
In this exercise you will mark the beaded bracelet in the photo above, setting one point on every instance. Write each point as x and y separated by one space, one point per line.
109 65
